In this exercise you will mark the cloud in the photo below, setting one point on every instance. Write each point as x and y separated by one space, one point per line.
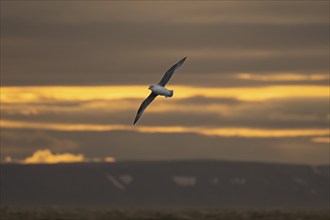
86 93
8 159
289 112
46 156
219 38
109 159
128 145
321 140
220 107
208 131
22 142
172 12
283 77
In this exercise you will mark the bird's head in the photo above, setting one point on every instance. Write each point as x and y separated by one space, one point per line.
150 87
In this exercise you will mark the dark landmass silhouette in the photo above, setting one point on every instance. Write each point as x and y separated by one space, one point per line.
201 184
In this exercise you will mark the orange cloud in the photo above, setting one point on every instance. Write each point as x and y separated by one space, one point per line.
87 93
283 77
46 156
237 132
207 131
321 139
109 159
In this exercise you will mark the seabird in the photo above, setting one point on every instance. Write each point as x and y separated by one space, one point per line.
159 89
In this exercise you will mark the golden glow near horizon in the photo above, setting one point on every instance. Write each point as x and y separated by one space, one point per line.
85 93
283 77
41 94
206 131
321 140
46 156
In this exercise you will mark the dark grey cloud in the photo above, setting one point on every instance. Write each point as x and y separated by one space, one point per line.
22 142
172 12
124 145
60 44
292 113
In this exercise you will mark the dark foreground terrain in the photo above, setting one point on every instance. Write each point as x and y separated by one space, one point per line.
150 214
168 184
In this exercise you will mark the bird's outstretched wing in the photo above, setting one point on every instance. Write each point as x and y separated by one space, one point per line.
170 72
144 105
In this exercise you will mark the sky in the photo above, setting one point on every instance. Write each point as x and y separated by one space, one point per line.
255 85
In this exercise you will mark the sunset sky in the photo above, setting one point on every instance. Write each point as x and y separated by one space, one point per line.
255 85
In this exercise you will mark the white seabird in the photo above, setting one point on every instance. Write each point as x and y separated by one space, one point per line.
159 89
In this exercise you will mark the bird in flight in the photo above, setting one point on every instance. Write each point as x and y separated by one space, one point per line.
159 89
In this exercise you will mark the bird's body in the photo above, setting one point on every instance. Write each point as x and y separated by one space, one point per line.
159 89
